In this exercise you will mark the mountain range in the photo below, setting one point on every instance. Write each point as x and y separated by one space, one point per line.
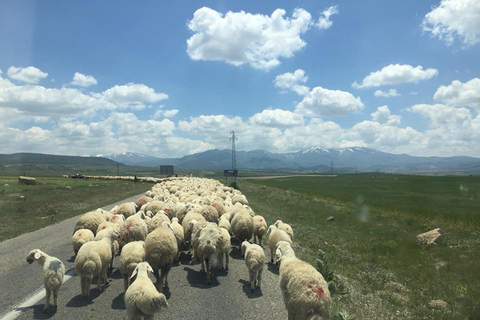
314 159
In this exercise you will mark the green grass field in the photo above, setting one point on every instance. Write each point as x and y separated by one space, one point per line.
25 208
371 244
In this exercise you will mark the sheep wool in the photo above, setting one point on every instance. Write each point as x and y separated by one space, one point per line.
132 254
224 248
259 229
275 236
141 298
133 229
242 225
206 248
254 259
80 237
285 227
305 291
53 271
90 220
127 209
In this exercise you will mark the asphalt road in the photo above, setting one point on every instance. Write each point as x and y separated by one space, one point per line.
189 297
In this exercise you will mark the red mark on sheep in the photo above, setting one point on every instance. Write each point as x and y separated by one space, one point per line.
261 220
320 293
79 234
127 227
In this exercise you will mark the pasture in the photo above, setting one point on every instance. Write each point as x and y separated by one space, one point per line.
25 208
371 244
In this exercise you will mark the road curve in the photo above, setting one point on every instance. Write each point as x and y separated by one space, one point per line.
189 297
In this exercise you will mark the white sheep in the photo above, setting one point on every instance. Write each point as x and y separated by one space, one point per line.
178 230
259 229
254 259
132 254
187 232
80 237
283 249
224 248
134 229
210 213
127 209
92 259
275 236
115 245
285 227
207 246
53 272
225 224
158 219
305 291
160 251
90 220
239 198
242 225
141 297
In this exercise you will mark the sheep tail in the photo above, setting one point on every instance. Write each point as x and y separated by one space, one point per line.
89 267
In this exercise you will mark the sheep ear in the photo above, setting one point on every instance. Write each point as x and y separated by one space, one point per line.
149 268
269 229
38 255
134 273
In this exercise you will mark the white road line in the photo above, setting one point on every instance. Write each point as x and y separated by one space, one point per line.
30 301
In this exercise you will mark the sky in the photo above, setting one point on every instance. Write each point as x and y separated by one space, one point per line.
171 78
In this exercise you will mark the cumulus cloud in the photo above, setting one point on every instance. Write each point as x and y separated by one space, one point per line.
293 81
454 19
82 80
132 94
386 94
382 114
243 38
460 94
165 113
396 74
325 102
324 21
28 74
276 118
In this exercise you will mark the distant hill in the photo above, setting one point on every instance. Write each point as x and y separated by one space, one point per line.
48 159
314 159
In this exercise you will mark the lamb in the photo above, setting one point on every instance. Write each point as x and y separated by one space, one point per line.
254 259
133 229
285 227
141 298
305 291
132 254
178 231
275 236
90 220
80 237
206 248
242 226
160 251
53 272
259 228
224 248
92 259
127 209
225 224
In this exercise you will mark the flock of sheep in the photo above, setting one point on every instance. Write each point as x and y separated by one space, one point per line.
193 214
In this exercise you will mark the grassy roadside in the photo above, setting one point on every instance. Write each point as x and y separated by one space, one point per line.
27 208
371 243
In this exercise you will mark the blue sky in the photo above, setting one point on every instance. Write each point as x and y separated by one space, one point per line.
174 78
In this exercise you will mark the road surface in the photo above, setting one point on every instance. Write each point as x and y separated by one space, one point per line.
189 297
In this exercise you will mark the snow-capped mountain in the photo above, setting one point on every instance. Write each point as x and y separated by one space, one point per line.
315 158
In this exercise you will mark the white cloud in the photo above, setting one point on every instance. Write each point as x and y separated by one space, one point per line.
243 38
132 94
325 102
386 94
460 94
396 74
454 18
324 19
28 74
83 80
292 81
170 113
276 118
382 114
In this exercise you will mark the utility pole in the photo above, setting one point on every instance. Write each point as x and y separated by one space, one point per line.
234 158
331 166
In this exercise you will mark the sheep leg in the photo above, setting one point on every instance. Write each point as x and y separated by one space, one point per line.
165 275
259 277
252 280
88 282
55 296
105 275
271 255
159 283
203 266
209 275
226 261
47 300
99 282
260 241
220 261
254 238
82 285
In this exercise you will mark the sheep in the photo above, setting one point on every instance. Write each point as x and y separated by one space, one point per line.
275 236
219 207
108 224
187 232
141 298
259 228
210 213
242 226
132 254
142 201
53 272
133 229
178 230
224 248
285 227
206 247
92 259
90 220
127 209
305 291
160 251
115 245
117 218
225 224
254 259
157 220
80 237
239 198
283 248
154 206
